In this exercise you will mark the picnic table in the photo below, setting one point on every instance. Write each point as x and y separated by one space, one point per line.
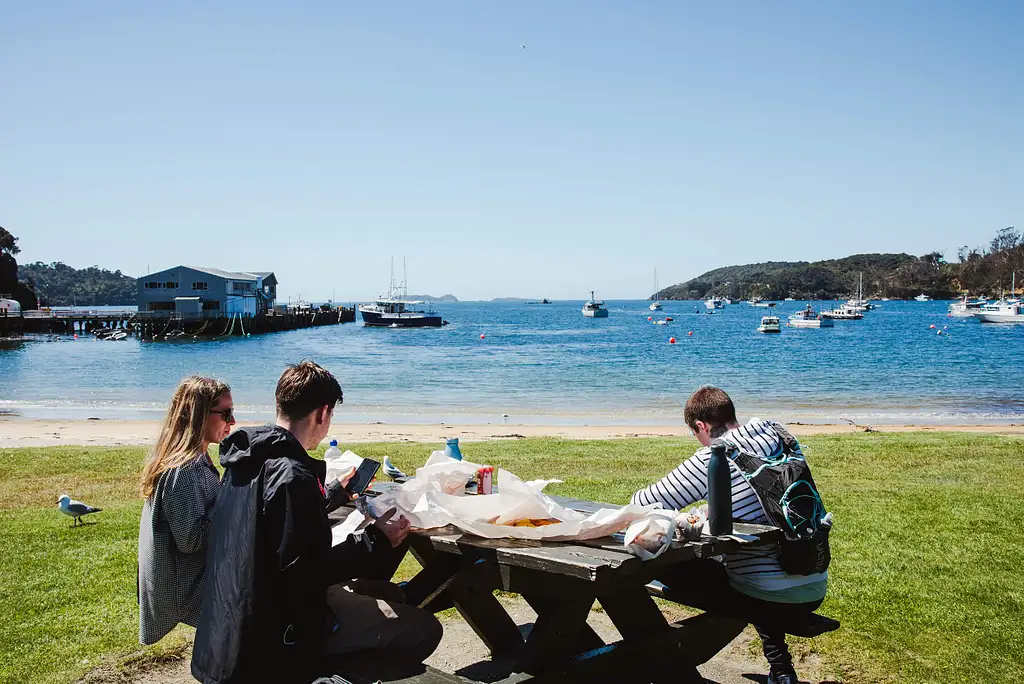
561 581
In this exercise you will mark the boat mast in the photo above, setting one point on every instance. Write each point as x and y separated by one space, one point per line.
405 280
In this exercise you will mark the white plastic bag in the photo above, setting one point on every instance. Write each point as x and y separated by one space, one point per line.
650 536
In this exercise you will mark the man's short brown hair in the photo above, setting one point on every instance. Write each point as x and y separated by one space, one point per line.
709 405
305 387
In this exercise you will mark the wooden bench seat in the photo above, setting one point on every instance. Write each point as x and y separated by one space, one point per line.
811 625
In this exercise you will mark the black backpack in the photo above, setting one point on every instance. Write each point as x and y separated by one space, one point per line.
787 493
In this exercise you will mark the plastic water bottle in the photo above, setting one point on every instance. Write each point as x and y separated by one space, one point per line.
332 451
719 489
452 449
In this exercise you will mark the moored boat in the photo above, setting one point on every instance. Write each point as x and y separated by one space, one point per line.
922 298
655 305
594 308
396 310
715 303
843 313
809 318
770 324
964 308
1001 312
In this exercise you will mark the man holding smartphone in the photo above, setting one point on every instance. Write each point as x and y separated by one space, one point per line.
270 563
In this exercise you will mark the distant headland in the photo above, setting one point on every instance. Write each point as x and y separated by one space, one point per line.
897 276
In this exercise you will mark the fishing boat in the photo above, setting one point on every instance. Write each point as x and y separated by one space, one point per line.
809 318
715 303
922 298
1005 310
770 324
1001 312
655 305
396 310
843 313
594 308
965 308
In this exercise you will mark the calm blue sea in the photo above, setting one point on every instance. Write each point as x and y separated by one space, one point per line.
547 364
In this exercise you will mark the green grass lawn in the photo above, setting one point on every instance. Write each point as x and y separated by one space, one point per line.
927 551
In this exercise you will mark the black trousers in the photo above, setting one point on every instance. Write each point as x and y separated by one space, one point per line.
704 584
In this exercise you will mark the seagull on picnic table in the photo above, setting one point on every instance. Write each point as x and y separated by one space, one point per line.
76 509
391 470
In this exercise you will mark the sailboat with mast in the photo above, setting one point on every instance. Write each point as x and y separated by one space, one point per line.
859 304
655 305
396 310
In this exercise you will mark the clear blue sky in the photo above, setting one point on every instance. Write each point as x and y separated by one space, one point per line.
317 139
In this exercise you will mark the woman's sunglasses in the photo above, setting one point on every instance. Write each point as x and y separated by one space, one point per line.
227 414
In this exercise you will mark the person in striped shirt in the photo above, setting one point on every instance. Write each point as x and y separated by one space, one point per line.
749 582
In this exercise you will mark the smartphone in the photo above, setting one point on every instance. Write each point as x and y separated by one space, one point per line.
363 476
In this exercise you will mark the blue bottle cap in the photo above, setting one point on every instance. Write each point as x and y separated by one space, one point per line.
334 442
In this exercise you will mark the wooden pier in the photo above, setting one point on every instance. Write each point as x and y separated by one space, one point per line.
161 325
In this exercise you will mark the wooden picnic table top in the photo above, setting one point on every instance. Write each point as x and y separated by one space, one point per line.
590 559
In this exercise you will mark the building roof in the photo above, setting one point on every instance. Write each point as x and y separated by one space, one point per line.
262 274
230 275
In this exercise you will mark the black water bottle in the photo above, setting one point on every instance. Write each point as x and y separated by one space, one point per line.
719 489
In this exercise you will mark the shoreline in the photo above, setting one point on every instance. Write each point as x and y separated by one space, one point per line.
26 432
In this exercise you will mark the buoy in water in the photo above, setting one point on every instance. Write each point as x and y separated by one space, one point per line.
650 318
939 332
690 333
669 318
671 340
481 336
931 327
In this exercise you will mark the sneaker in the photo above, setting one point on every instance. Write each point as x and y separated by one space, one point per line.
783 677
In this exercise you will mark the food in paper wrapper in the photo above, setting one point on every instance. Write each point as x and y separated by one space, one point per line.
534 522
436 497
690 524
651 536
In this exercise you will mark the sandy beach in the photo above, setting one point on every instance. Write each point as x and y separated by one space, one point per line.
22 432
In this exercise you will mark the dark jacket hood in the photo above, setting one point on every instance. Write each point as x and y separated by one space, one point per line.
246 449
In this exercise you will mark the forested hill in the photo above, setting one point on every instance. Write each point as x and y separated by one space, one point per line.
58 284
898 276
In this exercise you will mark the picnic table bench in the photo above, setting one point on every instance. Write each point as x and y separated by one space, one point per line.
561 581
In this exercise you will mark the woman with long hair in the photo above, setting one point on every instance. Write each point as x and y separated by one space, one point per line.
180 485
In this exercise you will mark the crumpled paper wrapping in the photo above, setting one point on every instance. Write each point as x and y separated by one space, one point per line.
436 497
651 536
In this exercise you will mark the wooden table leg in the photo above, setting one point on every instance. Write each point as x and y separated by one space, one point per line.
468 585
633 612
556 634
588 640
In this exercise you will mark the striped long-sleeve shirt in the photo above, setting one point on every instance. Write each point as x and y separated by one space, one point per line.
755 571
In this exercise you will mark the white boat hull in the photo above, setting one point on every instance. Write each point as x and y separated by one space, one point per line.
656 306
598 313
998 318
823 323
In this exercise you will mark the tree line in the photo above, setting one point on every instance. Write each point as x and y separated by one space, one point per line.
977 271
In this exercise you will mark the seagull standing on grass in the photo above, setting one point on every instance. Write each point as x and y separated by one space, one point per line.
76 509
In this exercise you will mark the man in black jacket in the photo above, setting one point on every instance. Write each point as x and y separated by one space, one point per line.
265 615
